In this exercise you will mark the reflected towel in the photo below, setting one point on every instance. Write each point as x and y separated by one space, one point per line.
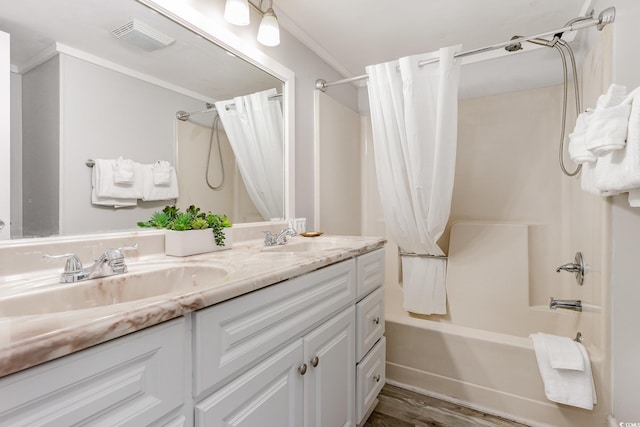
423 284
619 171
152 191
124 171
162 172
108 201
566 386
105 189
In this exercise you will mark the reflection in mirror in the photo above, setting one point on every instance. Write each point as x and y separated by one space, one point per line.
78 92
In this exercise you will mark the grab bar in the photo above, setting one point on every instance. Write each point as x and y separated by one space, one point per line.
403 253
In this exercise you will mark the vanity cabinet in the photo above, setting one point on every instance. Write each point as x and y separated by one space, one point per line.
136 380
305 352
303 330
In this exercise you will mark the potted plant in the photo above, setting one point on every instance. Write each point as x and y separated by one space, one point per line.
191 232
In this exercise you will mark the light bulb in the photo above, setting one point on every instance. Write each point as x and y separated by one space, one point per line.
269 31
236 12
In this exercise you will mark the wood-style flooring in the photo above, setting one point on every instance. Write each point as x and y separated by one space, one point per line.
403 408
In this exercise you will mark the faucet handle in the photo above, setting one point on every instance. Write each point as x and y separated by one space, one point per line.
269 240
129 248
73 262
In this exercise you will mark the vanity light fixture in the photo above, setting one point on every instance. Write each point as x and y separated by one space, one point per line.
237 12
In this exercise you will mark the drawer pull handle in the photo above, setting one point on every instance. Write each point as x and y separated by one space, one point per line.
302 369
377 378
376 320
315 361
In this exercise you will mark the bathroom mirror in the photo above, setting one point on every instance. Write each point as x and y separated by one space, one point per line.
82 93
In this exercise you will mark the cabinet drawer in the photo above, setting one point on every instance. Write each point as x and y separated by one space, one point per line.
370 322
232 336
370 272
132 381
370 378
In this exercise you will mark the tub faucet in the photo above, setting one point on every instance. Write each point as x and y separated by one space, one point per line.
280 238
111 262
569 304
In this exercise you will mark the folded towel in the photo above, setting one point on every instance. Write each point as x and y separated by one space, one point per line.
162 173
106 191
566 386
607 130
563 352
423 284
634 198
124 171
108 201
619 171
577 140
151 191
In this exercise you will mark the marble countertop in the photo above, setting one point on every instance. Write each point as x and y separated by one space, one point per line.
29 340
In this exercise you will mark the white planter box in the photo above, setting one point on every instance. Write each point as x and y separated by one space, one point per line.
192 242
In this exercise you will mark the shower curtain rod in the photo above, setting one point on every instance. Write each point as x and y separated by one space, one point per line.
184 116
605 17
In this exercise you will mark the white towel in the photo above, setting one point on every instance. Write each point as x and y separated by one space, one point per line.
566 386
423 285
108 201
619 171
634 198
105 191
124 171
152 191
607 130
577 140
563 352
162 172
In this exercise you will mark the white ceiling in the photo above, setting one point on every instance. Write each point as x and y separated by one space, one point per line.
350 34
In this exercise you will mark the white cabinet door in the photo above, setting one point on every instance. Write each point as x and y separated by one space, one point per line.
269 394
329 387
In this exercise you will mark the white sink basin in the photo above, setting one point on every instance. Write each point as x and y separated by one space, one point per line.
49 296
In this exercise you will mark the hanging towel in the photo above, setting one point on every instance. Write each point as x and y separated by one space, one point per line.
124 171
607 130
162 172
577 140
152 191
105 187
634 198
108 201
563 352
566 386
619 171
423 284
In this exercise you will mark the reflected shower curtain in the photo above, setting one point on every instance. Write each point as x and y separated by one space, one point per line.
414 115
254 126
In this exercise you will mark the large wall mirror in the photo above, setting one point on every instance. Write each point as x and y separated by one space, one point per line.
79 93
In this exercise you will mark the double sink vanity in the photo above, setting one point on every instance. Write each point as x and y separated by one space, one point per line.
288 335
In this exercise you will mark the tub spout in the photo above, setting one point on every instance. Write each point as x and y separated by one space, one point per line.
568 304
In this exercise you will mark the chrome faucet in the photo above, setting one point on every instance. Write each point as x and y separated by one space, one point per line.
577 267
110 263
280 238
569 304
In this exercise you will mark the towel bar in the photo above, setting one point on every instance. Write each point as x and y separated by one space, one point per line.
403 253
90 163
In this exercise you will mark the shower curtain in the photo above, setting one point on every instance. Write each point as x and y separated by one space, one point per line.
254 126
414 118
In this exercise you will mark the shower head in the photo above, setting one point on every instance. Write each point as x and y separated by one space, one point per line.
607 16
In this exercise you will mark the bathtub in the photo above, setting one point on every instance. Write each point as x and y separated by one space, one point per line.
479 354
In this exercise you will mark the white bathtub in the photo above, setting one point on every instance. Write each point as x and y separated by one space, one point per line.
479 354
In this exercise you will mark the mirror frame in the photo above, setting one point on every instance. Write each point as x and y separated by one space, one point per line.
215 29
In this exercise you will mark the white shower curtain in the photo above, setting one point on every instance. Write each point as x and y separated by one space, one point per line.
414 114
254 126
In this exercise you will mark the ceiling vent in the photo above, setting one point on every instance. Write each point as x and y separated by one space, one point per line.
142 35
